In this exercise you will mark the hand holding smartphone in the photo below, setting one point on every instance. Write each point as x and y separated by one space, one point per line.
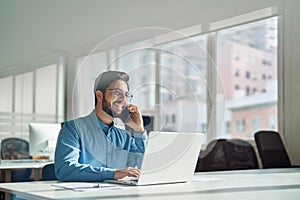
132 117
125 115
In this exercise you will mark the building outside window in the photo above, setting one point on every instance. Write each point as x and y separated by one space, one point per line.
171 79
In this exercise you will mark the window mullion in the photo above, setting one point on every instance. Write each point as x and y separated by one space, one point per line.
157 124
212 87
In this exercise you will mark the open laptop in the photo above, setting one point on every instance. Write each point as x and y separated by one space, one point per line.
170 157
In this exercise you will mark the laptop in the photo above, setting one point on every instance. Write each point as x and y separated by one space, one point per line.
170 157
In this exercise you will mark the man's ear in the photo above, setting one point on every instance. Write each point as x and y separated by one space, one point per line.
99 96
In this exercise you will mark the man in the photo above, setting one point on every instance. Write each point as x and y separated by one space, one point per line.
92 148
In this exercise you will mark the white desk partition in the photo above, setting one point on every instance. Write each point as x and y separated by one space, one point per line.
270 184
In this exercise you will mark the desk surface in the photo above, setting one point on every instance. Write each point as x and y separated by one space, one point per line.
24 165
246 184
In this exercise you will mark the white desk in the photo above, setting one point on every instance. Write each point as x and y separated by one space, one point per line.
8 167
246 184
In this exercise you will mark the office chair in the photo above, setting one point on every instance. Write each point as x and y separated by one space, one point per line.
148 123
213 157
223 154
271 149
240 154
48 172
16 148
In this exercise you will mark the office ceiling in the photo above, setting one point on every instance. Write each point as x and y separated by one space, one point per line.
33 29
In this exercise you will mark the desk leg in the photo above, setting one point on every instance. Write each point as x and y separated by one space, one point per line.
37 174
7 179
7 176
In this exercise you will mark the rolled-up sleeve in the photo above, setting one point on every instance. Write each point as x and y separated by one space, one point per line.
137 150
67 156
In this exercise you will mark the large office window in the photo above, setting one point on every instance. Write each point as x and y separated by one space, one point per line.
182 87
250 49
220 80
138 60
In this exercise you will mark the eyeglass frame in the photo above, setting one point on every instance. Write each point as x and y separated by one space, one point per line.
128 95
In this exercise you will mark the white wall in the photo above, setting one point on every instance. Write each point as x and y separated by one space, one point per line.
291 114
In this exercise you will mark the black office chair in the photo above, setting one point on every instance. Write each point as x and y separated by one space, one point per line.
223 154
48 172
240 154
213 157
148 123
271 149
16 148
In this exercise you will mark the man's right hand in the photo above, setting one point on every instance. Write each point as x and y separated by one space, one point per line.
129 171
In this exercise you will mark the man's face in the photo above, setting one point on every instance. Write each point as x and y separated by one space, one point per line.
114 100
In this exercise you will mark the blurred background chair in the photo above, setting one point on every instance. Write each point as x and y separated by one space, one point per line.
48 172
271 149
223 154
240 154
148 123
213 157
16 148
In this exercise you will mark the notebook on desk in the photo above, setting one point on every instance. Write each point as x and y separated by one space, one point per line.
170 157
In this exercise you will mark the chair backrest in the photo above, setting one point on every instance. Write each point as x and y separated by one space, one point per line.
14 148
223 154
148 123
48 172
240 154
271 149
213 157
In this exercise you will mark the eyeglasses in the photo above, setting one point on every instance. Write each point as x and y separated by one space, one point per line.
119 93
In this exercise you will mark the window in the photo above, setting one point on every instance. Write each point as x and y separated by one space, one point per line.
228 127
182 71
30 97
247 90
247 75
253 44
240 125
254 75
236 56
272 122
175 80
237 126
256 123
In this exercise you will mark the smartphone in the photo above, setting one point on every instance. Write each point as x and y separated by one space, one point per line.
125 115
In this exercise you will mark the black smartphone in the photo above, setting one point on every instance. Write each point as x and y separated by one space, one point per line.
125 115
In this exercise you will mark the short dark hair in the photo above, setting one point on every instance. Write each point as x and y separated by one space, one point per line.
104 79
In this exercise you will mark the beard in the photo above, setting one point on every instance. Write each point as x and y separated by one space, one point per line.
107 108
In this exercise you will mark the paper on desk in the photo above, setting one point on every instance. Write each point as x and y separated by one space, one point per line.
205 178
98 189
83 186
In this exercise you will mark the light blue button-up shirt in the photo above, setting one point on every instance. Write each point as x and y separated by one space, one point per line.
89 150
